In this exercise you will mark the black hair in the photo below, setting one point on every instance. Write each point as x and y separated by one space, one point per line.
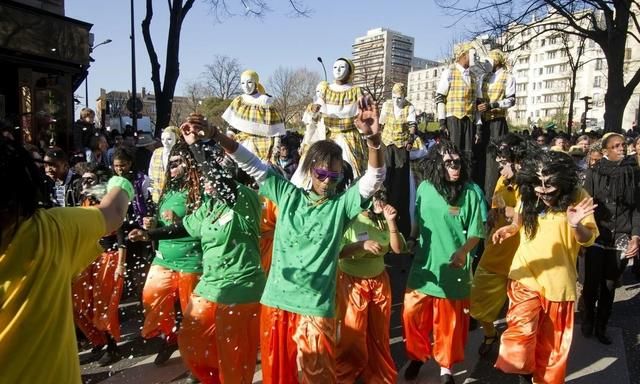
28 185
563 175
57 154
506 146
435 171
191 181
323 152
124 154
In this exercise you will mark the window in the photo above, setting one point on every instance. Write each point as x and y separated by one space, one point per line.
552 40
598 64
563 68
542 42
534 86
435 73
540 71
547 98
597 82
551 55
550 69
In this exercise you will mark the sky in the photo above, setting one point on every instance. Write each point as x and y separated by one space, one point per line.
277 39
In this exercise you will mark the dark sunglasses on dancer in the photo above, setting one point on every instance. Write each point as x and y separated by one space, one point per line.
323 174
175 164
453 164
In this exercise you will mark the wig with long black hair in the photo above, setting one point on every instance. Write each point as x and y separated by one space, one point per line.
560 172
25 190
321 153
189 182
435 171
506 146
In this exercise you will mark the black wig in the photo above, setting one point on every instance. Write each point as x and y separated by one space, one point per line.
435 171
563 175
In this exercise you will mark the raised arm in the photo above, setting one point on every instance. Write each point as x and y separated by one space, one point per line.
368 123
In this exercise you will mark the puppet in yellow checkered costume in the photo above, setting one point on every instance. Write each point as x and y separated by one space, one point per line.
339 107
455 100
497 91
398 117
253 114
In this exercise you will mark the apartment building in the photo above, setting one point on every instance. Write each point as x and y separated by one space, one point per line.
383 57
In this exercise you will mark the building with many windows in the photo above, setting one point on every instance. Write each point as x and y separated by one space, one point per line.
383 57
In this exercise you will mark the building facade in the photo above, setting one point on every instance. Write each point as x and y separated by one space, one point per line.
44 57
383 57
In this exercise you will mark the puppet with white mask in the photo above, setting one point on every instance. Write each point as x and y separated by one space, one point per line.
253 114
160 160
339 107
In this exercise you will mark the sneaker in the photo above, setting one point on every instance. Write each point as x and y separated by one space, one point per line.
413 369
447 379
166 350
109 357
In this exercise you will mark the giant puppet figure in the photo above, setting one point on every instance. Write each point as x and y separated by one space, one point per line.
339 106
253 114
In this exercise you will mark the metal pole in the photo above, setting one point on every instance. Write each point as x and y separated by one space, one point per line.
134 113
86 90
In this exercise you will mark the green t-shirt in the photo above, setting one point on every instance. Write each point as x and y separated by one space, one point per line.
229 236
306 244
364 264
184 254
443 229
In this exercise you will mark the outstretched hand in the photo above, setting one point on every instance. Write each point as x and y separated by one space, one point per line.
576 213
367 120
503 233
197 127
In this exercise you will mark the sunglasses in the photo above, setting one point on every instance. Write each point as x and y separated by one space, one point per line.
323 174
453 163
89 180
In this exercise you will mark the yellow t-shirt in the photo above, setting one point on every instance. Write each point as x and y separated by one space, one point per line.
547 263
497 258
37 337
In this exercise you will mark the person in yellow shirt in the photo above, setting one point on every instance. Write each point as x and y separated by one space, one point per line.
41 250
490 280
553 219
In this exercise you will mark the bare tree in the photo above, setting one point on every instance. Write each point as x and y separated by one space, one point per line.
573 46
223 77
164 88
608 23
374 84
293 90
195 94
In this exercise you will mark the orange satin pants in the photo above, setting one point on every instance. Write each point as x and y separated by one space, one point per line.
267 226
364 317
219 342
161 290
538 336
296 348
96 296
447 319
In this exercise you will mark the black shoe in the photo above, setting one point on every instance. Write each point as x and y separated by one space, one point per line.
413 369
525 379
166 350
488 343
446 379
603 338
586 328
109 357
192 379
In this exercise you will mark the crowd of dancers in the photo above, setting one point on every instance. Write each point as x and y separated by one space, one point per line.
250 256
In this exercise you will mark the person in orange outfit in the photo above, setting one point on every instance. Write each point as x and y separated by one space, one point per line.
96 291
219 334
267 226
490 280
177 265
299 297
364 296
449 221
557 216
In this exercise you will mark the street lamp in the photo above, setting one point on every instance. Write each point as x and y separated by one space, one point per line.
86 79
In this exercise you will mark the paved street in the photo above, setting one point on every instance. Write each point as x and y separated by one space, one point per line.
589 361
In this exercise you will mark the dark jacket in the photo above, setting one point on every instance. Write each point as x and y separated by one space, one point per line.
82 134
615 188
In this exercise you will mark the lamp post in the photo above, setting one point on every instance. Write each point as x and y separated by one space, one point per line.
134 112
86 79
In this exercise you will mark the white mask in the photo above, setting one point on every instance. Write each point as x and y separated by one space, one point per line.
473 59
168 140
319 93
398 100
341 70
248 85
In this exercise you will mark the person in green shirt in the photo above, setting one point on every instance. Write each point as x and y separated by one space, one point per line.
449 224
219 334
364 295
298 315
177 265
